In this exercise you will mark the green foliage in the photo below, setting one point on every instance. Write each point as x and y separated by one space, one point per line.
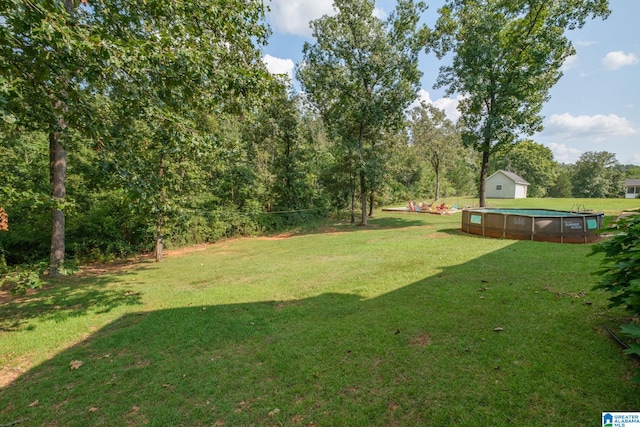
506 57
632 331
597 174
20 279
533 162
436 139
620 272
562 187
361 74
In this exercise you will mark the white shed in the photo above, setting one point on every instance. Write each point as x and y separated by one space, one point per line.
631 188
506 185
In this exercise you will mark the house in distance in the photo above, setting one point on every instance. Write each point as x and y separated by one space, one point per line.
506 185
632 188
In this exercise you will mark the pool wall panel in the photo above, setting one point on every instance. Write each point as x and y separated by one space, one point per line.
541 225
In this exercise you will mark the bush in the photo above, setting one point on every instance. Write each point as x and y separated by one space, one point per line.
620 267
620 272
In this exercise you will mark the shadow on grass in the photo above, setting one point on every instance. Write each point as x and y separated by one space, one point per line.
64 298
424 354
382 220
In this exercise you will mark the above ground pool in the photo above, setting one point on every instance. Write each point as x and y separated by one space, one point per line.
533 224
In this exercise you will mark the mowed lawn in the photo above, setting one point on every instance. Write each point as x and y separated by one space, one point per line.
405 322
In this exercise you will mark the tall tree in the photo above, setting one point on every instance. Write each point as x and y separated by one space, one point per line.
280 154
563 187
362 73
436 137
597 174
46 54
507 54
173 64
164 64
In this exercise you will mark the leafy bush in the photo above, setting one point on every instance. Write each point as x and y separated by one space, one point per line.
620 273
21 279
620 267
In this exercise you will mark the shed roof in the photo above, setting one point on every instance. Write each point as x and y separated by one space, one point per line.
512 176
631 181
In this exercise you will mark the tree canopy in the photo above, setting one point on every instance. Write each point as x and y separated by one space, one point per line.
507 54
361 74
153 64
436 138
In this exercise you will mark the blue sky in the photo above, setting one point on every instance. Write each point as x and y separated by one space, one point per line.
594 107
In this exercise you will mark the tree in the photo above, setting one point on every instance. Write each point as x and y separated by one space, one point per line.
620 273
46 54
165 65
563 186
631 171
281 154
362 74
533 162
507 54
436 138
178 63
597 174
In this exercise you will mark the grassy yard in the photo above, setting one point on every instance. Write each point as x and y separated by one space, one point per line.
405 322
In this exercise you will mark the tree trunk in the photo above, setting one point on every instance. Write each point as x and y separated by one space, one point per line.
371 197
160 212
483 178
57 177
353 198
363 198
363 183
437 170
159 241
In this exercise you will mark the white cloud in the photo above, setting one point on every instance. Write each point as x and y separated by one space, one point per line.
449 105
564 154
379 13
597 128
293 16
634 160
585 43
278 65
618 59
570 62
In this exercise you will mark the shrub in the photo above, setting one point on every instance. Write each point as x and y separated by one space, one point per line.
620 272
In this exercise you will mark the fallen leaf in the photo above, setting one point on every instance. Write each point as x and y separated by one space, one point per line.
498 329
94 409
274 412
75 364
34 403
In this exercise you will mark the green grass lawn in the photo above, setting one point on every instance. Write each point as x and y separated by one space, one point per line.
392 324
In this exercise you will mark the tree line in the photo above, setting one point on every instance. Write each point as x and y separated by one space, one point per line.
126 126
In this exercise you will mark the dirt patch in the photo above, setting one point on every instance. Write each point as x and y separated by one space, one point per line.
277 236
9 373
421 340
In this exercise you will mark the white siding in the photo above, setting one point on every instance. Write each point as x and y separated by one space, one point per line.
500 186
